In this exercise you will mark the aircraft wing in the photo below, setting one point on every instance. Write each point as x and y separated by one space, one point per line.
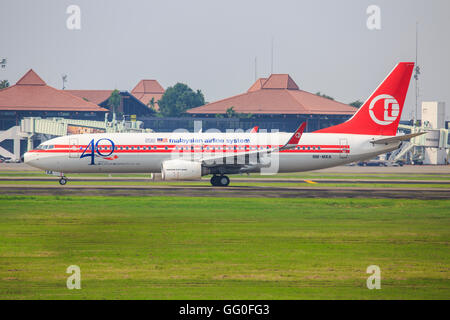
397 138
224 158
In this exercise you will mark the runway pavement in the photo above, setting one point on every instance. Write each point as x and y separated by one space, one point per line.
230 191
16 184
245 180
407 169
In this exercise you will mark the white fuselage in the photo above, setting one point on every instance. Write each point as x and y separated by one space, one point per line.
145 152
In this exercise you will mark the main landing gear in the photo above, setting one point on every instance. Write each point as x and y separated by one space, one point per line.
220 181
62 180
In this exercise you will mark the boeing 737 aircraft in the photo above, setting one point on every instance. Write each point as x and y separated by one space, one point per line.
188 156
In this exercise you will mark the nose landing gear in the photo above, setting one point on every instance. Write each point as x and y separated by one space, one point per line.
62 180
220 181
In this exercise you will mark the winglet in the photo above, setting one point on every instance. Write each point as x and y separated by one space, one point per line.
293 141
254 130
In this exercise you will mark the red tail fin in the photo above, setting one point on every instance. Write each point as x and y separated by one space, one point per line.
381 113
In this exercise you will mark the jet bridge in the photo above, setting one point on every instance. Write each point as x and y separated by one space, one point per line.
419 148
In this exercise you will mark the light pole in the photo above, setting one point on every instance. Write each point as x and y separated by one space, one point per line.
64 80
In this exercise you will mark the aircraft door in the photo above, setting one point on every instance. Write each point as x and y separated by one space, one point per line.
73 151
343 148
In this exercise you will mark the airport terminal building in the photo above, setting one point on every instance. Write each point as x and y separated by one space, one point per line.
32 97
275 102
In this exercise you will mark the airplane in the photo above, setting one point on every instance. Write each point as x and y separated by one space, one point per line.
371 131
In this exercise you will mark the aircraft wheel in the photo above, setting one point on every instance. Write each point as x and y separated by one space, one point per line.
224 181
63 181
214 181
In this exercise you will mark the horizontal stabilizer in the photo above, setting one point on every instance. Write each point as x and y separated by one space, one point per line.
397 138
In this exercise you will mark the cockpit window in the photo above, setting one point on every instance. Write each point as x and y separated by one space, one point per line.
45 147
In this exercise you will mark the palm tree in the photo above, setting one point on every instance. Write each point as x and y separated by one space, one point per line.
114 100
152 105
4 84
230 112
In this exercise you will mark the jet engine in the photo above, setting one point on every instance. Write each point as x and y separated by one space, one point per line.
182 170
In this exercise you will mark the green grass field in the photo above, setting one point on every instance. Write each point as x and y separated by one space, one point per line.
223 248
236 183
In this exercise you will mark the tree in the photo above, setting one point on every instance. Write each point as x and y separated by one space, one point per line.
4 84
114 101
356 104
179 98
152 105
231 113
324 95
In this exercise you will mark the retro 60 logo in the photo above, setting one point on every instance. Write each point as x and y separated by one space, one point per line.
384 109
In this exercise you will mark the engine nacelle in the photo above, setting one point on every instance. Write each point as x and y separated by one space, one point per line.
182 170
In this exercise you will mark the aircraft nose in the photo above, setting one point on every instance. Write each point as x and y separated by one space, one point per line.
26 157
29 158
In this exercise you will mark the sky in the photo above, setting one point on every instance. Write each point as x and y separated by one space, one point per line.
324 45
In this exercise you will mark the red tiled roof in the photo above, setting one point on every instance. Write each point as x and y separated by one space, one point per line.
280 81
257 85
145 98
95 96
148 86
31 78
279 94
145 90
31 93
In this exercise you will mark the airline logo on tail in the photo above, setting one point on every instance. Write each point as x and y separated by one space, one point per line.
380 114
388 107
